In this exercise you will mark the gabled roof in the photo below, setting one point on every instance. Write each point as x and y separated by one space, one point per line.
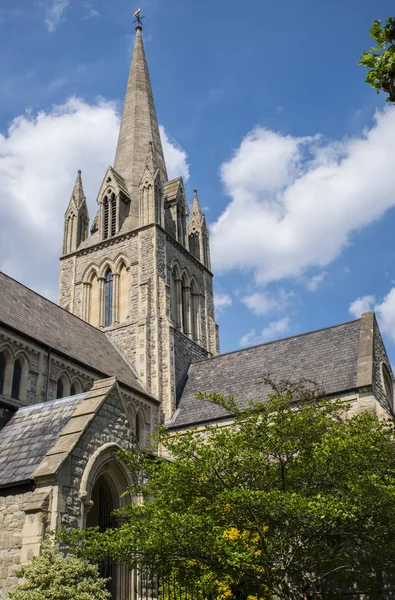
29 435
328 357
32 315
170 188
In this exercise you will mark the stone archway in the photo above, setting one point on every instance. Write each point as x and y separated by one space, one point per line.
103 482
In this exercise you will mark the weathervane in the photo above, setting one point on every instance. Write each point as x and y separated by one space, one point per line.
138 18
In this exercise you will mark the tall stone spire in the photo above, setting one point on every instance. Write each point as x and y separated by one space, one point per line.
76 219
77 196
139 125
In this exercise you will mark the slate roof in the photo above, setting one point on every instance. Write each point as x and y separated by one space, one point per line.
327 356
33 315
28 436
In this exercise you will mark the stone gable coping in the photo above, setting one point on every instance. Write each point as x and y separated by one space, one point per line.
73 430
365 355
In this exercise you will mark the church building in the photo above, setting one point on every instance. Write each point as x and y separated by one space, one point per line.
131 343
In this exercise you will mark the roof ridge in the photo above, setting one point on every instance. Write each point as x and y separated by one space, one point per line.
289 337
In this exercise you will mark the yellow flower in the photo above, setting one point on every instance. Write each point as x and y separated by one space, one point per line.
231 534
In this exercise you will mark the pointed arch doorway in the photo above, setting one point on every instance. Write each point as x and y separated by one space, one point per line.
102 485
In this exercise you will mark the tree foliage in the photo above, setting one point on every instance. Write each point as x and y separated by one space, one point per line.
51 576
292 497
380 59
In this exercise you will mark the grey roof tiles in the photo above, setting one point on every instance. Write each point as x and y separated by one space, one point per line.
35 316
327 356
29 435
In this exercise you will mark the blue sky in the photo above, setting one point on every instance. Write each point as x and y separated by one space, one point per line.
263 106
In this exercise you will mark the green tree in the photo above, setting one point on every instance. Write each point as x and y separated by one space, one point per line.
380 59
51 576
292 498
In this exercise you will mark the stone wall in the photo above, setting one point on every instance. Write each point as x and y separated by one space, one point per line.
110 425
146 335
12 520
380 357
39 387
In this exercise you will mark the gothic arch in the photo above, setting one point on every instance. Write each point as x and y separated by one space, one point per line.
20 377
75 387
104 462
140 428
7 369
63 385
89 272
105 266
120 260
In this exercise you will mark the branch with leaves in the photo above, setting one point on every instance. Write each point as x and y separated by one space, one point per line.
291 497
380 59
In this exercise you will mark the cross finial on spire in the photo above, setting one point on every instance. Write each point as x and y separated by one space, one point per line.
138 19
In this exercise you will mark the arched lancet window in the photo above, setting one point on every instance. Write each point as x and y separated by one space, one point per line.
194 244
2 371
186 305
73 390
60 389
106 217
16 379
113 215
195 312
108 298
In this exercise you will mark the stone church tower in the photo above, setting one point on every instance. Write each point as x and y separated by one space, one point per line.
143 274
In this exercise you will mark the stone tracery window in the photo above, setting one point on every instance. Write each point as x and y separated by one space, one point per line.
108 299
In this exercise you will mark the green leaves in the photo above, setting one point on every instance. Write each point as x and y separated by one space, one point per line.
291 495
51 576
381 59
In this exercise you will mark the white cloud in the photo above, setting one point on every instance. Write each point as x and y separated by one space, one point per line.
315 281
361 305
54 13
222 301
39 158
91 12
296 201
262 303
176 158
274 330
385 311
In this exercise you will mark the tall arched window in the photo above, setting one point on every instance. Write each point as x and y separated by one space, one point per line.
106 217
108 297
113 215
195 312
60 389
186 305
16 380
2 372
